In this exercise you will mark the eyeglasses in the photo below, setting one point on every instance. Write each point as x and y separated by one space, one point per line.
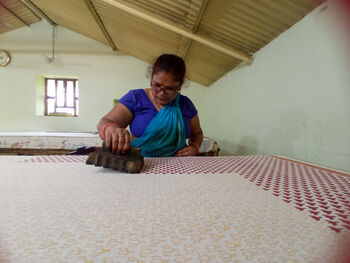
157 87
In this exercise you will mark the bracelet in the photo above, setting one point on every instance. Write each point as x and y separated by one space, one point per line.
105 127
196 146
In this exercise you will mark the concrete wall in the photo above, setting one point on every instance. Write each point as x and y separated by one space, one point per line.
294 100
103 76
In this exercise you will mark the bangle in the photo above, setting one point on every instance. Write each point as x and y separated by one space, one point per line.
105 127
196 146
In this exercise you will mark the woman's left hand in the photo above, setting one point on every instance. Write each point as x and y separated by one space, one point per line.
189 150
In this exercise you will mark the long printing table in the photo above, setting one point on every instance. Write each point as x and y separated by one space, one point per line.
46 143
184 209
49 143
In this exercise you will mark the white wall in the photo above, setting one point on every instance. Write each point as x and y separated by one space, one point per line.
103 76
294 100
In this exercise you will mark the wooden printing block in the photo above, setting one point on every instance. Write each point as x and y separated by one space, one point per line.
130 162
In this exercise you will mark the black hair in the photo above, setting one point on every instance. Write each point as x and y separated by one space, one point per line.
170 63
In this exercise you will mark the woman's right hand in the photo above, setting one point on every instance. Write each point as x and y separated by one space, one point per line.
117 139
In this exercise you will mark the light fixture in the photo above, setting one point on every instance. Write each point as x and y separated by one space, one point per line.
46 58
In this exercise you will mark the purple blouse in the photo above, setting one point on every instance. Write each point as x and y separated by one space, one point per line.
143 111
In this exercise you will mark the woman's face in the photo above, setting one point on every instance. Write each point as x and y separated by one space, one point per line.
164 87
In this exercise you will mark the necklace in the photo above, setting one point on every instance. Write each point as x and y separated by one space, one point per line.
158 107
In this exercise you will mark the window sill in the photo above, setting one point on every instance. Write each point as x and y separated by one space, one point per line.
60 115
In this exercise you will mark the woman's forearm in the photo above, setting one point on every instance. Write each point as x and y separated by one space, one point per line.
197 139
120 115
102 123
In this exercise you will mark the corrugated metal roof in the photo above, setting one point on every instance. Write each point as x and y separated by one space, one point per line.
13 14
213 36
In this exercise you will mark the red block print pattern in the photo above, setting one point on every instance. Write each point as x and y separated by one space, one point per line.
322 193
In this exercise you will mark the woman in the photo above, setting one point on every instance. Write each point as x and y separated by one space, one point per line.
160 118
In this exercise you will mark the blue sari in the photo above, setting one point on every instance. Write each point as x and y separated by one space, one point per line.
165 134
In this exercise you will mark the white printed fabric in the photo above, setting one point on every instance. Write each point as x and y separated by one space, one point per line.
320 192
192 209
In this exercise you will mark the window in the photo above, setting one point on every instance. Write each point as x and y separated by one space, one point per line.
61 97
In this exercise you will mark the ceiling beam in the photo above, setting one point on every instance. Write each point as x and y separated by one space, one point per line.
184 32
195 26
35 14
34 9
13 14
100 24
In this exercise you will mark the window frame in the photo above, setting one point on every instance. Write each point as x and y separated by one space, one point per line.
75 97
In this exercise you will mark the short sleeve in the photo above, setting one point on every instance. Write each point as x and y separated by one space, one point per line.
187 107
129 101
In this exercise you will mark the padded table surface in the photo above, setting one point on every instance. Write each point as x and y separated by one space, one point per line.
184 209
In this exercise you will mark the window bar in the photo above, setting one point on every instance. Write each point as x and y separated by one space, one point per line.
56 95
46 99
65 93
74 99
